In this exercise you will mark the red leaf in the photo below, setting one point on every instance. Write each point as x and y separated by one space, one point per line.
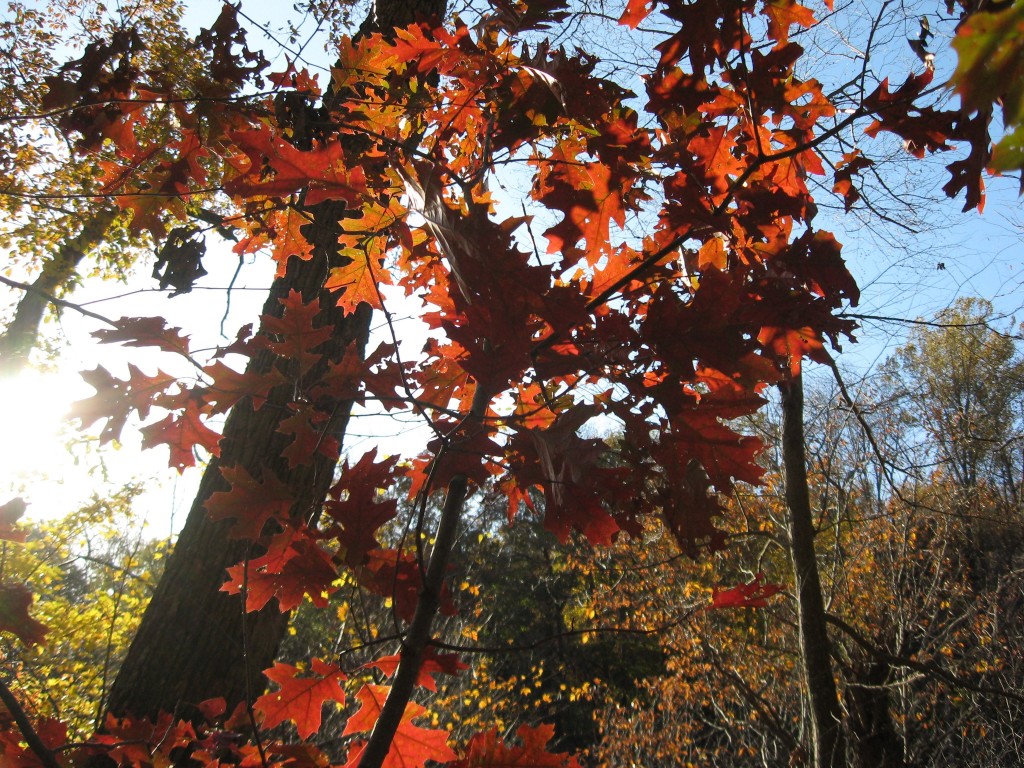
300 699
307 427
277 169
145 332
636 11
229 386
412 746
115 399
294 566
752 595
181 433
359 507
395 575
487 750
297 338
214 708
433 664
15 600
249 502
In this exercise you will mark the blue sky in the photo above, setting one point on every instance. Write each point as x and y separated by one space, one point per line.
902 273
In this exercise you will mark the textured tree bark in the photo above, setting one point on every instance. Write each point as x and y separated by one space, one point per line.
19 338
195 642
829 744
874 742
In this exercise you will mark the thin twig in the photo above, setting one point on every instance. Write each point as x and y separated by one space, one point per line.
57 302
928 668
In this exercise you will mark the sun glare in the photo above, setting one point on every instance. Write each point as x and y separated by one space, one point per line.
41 457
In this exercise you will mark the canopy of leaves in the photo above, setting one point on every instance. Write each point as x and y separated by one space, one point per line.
682 272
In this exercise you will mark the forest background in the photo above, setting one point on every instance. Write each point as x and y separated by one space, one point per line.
615 653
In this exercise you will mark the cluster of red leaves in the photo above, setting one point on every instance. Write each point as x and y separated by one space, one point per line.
674 336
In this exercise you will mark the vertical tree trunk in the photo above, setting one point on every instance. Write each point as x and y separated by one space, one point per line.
873 737
829 747
196 642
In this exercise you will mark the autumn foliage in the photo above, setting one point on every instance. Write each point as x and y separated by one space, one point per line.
672 334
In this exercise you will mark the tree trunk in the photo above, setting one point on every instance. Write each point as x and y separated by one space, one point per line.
829 747
196 642
873 737
19 338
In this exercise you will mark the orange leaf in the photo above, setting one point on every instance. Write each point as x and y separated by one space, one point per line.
793 344
487 750
636 11
782 14
281 229
412 746
300 699
278 169
358 280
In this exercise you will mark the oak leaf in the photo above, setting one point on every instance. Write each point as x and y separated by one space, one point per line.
295 566
412 746
115 399
433 664
300 699
357 281
15 600
281 229
752 595
783 14
294 336
229 386
487 750
182 433
636 11
276 168
359 506
250 502
145 332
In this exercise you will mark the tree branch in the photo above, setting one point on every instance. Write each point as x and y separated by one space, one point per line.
25 726
57 302
417 638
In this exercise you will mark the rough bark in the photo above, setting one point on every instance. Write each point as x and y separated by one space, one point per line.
195 642
874 740
19 338
829 747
